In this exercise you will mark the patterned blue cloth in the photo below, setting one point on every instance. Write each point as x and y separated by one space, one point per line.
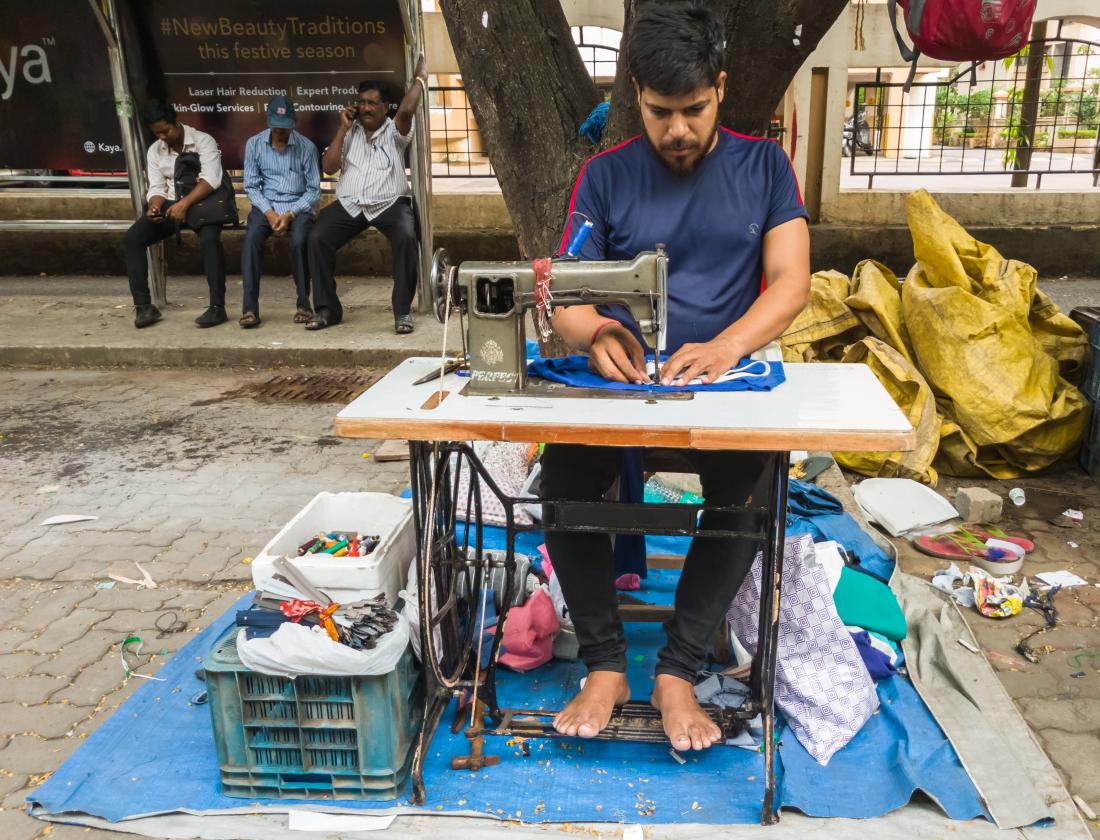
573 370
287 181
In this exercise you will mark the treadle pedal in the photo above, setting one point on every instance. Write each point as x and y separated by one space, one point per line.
635 721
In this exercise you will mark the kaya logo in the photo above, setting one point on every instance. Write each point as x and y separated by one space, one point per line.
110 148
28 61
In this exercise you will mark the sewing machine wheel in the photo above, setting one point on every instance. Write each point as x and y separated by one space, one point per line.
441 275
454 566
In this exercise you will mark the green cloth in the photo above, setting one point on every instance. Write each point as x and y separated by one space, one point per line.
868 603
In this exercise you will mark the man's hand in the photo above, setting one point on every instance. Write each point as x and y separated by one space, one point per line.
272 218
282 224
347 117
617 355
421 69
178 212
155 203
708 361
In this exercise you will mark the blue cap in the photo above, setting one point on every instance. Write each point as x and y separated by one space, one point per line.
280 113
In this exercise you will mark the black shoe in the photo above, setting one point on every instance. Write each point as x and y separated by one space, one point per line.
213 316
146 316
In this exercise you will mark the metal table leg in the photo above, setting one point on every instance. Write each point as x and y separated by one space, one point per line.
450 583
771 579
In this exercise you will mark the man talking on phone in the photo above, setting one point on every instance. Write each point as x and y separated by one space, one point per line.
373 191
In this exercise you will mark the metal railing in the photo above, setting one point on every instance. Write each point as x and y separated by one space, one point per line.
457 147
1029 117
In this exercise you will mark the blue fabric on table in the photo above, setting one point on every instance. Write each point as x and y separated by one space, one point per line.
159 751
573 370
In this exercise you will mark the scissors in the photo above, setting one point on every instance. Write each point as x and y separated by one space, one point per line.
450 367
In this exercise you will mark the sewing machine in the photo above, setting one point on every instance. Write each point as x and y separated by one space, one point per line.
495 297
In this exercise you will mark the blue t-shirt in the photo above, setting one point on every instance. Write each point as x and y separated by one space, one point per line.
712 223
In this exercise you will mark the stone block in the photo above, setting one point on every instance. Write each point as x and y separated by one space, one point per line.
976 504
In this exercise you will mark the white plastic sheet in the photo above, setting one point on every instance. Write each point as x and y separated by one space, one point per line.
294 651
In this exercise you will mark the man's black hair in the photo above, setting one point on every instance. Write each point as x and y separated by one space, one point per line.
675 48
382 88
158 111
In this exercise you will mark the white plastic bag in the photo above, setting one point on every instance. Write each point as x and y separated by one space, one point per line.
295 650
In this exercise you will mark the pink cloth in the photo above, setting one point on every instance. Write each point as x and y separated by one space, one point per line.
628 582
529 633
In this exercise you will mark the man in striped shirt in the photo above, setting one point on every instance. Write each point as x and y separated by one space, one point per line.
283 181
373 191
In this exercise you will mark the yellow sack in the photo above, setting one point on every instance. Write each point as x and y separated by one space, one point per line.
1060 337
876 299
826 326
968 313
913 396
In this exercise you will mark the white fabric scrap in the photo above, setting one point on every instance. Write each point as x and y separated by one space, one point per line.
945 580
827 555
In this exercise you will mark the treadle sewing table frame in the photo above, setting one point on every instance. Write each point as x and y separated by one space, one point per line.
820 407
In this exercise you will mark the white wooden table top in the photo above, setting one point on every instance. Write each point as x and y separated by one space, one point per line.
831 407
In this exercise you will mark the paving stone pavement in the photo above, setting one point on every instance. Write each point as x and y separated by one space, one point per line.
189 483
188 491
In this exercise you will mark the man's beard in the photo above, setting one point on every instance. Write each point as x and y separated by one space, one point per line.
685 165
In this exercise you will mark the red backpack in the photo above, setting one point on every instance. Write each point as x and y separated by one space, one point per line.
962 30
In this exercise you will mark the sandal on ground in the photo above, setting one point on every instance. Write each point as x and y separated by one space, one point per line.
966 543
319 321
403 324
302 316
249 320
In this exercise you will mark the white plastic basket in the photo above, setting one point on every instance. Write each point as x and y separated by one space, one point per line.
386 569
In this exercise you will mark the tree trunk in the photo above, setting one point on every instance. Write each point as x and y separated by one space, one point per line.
530 92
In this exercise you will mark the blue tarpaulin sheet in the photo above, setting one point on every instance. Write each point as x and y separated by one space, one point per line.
156 754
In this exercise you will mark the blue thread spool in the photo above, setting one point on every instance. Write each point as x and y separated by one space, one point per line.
583 232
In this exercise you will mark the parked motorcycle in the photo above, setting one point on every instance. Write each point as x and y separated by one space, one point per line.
857 135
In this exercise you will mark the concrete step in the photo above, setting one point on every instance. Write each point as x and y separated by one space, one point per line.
71 321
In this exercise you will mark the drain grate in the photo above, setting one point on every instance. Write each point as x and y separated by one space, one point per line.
329 387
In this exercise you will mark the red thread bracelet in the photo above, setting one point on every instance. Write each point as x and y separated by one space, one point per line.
600 329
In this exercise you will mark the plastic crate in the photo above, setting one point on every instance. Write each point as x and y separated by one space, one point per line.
315 737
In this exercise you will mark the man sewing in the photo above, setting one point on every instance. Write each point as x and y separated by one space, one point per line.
373 191
728 211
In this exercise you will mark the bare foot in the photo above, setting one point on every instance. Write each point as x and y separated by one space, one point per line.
589 711
686 724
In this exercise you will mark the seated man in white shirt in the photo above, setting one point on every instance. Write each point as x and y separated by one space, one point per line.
373 191
166 213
